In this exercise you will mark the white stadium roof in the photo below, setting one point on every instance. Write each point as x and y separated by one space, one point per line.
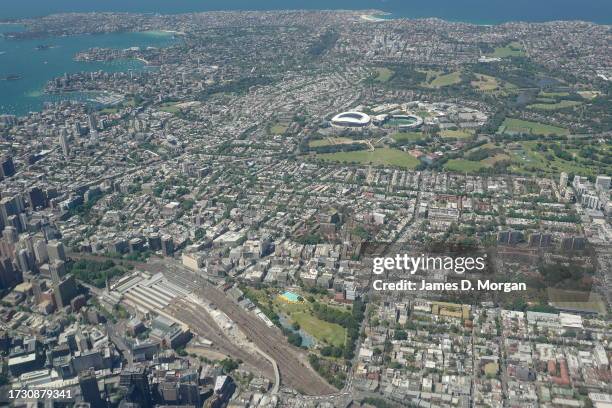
351 118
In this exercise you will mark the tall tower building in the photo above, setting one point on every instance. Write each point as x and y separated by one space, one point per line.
8 275
55 250
7 167
63 141
90 390
563 180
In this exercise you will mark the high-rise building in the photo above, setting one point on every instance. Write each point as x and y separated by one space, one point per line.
40 251
90 390
57 270
63 141
92 122
9 206
7 167
167 245
154 242
65 290
602 183
563 180
23 260
10 234
55 249
8 275
136 384
36 198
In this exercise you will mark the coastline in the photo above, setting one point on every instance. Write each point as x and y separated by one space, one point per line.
373 18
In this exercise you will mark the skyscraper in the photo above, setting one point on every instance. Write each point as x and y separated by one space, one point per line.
63 141
55 249
7 167
8 276
563 180
90 390
36 198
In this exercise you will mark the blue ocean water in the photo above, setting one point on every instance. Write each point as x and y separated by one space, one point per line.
36 67
476 11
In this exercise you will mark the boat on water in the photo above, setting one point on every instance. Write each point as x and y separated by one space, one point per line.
2 52
11 77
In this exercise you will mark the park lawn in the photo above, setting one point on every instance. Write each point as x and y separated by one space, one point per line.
107 111
485 83
514 49
490 161
444 80
589 94
553 94
554 106
328 141
383 74
457 134
169 107
464 166
534 128
325 332
278 129
531 157
379 157
411 136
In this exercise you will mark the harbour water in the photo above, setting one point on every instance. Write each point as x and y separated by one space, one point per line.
27 65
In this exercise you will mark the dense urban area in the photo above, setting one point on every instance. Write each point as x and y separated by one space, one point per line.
201 232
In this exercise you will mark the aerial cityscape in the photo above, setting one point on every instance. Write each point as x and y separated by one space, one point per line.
304 208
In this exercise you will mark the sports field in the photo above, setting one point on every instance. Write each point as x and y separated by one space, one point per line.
514 49
379 157
554 106
534 128
329 141
383 74
407 136
457 134
278 129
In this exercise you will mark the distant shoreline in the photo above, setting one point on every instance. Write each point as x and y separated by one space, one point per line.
373 17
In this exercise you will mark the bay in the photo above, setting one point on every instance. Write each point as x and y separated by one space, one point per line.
35 67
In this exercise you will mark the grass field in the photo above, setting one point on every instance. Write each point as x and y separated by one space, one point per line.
437 79
514 49
169 107
328 141
485 83
410 136
109 110
578 300
278 129
530 158
553 94
383 74
457 134
589 94
380 157
323 331
535 128
554 106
